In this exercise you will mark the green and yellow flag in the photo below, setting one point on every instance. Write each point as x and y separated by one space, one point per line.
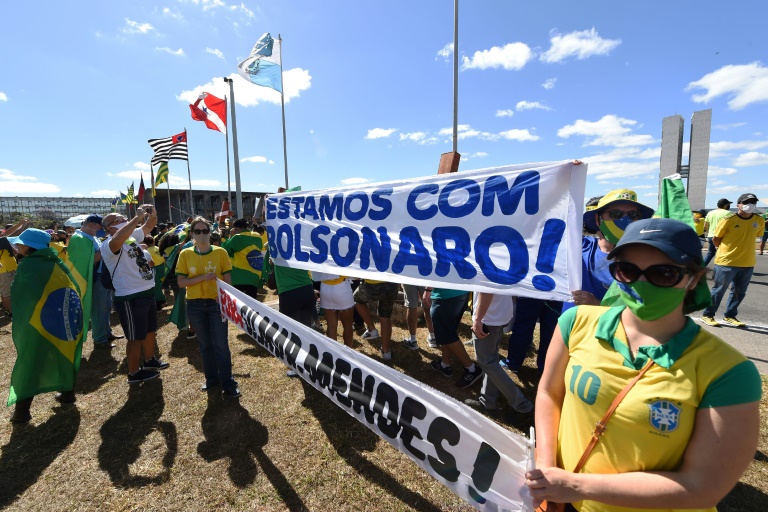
80 263
47 326
162 176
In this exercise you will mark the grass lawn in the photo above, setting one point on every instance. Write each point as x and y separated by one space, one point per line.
283 446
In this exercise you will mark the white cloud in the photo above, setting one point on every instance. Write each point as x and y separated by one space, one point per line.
380 133
355 181
415 136
172 14
623 162
3 96
249 95
530 105
479 154
311 131
446 51
14 184
141 165
255 159
724 148
104 193
640 187
134 175
78 194
183 182
134 27
519 135
727 126
511 56
178 53
744 84
720 171
505 113
750 159
740 188
271 162
242 8
216 52
579 44
610 130
549 83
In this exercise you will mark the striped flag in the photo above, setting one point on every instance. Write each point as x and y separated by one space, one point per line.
162 175
169 148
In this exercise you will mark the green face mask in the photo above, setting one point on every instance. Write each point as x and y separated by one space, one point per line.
649 302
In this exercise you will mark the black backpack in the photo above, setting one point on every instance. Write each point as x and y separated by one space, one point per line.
106 276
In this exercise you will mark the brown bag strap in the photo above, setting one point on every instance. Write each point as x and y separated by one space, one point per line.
600 426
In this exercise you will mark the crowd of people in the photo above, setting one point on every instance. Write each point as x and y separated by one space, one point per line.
694 403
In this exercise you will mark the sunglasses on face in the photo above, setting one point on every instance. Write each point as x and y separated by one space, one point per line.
201 231
663 276
618 214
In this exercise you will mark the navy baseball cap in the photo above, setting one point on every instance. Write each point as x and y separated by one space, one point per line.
94 218
676 239
34 238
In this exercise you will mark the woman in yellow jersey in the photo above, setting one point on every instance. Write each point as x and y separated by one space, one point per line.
197 269
683 435
338 303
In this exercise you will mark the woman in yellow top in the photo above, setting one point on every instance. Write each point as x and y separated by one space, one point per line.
684 434
197 269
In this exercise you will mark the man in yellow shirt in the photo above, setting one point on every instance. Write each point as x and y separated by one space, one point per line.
735 259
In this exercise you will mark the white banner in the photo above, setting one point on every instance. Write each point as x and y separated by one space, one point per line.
514 230
473 456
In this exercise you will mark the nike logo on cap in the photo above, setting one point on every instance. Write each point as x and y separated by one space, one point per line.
643 231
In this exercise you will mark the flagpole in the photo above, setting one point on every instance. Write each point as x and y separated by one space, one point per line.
282 103
152 178
189 175
238 190
229 186
455 75
168 183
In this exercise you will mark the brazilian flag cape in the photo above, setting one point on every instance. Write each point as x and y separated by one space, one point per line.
247 255
80 264
178 315
673 204
47 326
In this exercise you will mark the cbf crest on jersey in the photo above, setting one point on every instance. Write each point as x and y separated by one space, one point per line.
664 415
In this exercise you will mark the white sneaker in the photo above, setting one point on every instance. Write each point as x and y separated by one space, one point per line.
370 335
385 355
411 344
432 342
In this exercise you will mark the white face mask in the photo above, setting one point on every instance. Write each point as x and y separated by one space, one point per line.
748 208
118 226
203 239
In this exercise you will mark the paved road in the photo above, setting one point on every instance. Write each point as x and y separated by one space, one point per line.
752 341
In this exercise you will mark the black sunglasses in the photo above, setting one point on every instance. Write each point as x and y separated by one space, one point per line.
618 214
201 231
663 276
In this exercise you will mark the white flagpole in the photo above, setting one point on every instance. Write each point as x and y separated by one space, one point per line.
168 184
455 75
226 136
238 190
282 103
189 175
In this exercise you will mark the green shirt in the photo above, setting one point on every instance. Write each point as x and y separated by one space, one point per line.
291 278
713 219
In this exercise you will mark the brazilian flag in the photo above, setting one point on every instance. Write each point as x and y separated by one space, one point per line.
47 326
247 255
80 263
178 314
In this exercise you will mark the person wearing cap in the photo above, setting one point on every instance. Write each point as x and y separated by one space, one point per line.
134 284
8 263
735 259
711 221
245 249
694 406
765 234
36 370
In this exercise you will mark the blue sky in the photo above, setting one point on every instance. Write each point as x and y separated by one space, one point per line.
369 90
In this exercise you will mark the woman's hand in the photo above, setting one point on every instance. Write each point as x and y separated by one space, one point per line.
553 484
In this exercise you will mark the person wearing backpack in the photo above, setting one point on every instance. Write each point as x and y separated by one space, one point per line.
134 284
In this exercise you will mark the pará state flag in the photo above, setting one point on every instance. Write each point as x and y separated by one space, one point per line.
47 327
263 66
211 110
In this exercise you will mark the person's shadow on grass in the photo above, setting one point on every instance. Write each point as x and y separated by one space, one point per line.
100 367
350 439
181 346
231 433
124 432
31 449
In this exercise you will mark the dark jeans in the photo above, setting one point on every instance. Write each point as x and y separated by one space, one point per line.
711 250
298 304
723 277
528 312
205 319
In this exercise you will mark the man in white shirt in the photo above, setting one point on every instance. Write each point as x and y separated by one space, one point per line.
134 284
490 314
